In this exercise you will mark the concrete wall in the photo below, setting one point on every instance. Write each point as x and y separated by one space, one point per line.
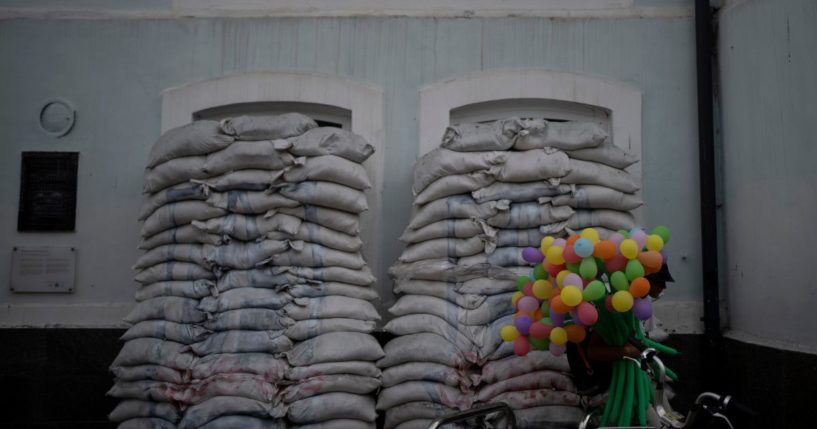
113 70
768 92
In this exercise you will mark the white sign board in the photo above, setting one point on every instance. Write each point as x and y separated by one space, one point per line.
43 269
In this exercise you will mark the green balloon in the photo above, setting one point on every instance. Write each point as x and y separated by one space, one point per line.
624 232
539 272
521 281
545 307
542 344
634 270
588 268
594 291
573 268
619 281
663 232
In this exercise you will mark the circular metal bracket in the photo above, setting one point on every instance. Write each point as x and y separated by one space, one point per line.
57 117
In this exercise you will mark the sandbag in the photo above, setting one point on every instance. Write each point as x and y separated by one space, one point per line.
519 237
424 371
598 197
148 372
493 308
314 233
606 153
193 253
334 347
456 184
177 214
243 256
336 405
348 223
248 228
268 366
248 386
267 127
533 165
593 173
518 192
422 347
537 398
338 424
549 416
330 307
501 256
244 422
197 138
180 192
459 207
428 323
328 168
194 289
529 215
135 408
146 423
414 411
443 162
571 135
423 391
250 319
445 270
310 328
545 379
332 141
474 137
444 248
186 234
486 286
361 368
146 390
608 219
243 342
448 228
329 383
332 288
362 277
314 255
242 155
172 308
514 366
250 202
198 415
166 330
443 290
174 172
241 180
244 297
326 194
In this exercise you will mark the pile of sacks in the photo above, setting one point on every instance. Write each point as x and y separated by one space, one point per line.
254 300
488 192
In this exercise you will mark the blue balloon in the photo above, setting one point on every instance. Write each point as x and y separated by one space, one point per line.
583 247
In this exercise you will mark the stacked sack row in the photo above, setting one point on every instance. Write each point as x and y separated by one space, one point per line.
254 300
488 192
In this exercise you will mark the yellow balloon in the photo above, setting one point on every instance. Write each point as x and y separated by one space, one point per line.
509 333
655 242
555 255
571 296
629 248
622 301
591 234
515 298
560 278
542 289
558 336
546 242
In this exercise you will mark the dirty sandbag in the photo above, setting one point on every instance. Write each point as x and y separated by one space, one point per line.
338 220
146 423
246 255
252 319
422 347
334 347
315 255
493 308
593 173
598 197
337 424
149 372
146 390
514 366
268 278
486 286
244 422
332 141
444 248
330 307
178 213
529 215
443 290
183 333
444 270
544 379
249 228
180 192
571 135
518 192
240 180
195 289
328 168
332 288
362 277
310 328
318 234
197 138
172 271
193 253
154 351
475 137
456 207
609 219
361 368
172 308
456 184
443 162
415 411
264 155
533 165
536 398
326 194
238 385
265 365
428 323
186 234
250 202
424 371
198 415
243 342
174 172
606 153
267 127
501 257
244 297
424 391
448 228
335 405
519 237
135 408
329 383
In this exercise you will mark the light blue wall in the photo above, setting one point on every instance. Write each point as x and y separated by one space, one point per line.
768 61
114 70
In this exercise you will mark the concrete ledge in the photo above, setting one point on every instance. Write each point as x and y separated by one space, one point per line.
88 315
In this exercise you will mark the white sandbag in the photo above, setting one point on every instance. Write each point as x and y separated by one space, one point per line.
514 366
197 138
424 371
269 278
348 223
198 415
328 168
456 207
445 270
186 234
148 372
501 256
174 172
180 192
533 165
417 424
338 424
329 383
244 422
519 237
310 328
336 405
598 197
593 173
518 192
486 286
332 141
250 202
443 162
250 319
475 137
456 184
177 214
248 386
243 256
334 347
330 307
362 277
243 155
422 347
414 411
315 255
549 416
146 390
361 368
493 308
572 135
172 308
529 215
536 398
423 391
193 253
195 289
268 366
326 194
267 127
444 248
448 228
608 219
248 228
314 233
545 379
332 288
146 423
443 290
243 342
244 297
165 330
134 408
241 180
427 323
606 153
142 351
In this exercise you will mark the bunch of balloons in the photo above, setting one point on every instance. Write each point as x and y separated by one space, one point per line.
574 278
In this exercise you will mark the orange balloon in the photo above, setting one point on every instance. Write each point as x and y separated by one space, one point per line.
557 291
572 239
604 249
575 333
651 259
558 306
537 315
640 287
650 270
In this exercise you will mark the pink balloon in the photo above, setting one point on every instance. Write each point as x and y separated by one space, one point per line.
521 346
554 270
640 238
559 242
587 313
617 239
555 349
527 304
573 279
540 330
571 256
528 289
616 263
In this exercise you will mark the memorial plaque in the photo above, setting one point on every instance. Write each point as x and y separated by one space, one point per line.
43 269
48 191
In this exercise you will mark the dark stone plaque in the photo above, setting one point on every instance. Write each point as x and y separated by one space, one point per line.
48 191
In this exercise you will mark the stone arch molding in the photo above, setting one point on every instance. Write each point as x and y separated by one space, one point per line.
364 101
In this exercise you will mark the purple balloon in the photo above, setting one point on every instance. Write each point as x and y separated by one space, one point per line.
523 324
664 254
557 349
616 238
528 304
574 314
532 255
556 318
559 242
642 309
640 238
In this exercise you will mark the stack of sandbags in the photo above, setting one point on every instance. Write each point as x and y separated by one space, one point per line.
251 231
